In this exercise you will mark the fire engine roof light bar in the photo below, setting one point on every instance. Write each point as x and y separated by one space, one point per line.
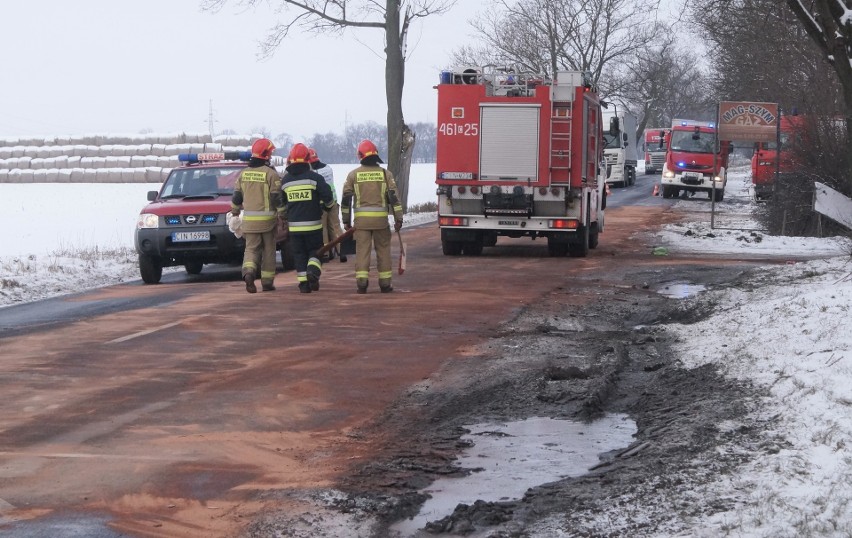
191 158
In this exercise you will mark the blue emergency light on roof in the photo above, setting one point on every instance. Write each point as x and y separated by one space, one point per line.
191 158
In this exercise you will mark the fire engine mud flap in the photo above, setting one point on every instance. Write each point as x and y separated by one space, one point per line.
460 236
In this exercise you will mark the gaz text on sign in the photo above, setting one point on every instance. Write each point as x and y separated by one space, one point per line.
744 120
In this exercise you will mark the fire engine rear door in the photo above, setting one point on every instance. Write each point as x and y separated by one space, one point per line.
509 141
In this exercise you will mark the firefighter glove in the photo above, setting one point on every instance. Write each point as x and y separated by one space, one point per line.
397 225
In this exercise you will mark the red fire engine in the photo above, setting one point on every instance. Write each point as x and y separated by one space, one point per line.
764 162
696 161
519 155
655 149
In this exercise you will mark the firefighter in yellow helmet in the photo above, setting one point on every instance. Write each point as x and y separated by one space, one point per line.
370 193
257 192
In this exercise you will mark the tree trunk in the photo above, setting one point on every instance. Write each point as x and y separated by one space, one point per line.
394 83
403 179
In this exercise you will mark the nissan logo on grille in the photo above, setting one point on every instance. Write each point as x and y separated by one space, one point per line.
191 219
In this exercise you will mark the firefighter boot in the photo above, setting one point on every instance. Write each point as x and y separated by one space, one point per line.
362 284
248 278
304 287
267 286
385 285
313 277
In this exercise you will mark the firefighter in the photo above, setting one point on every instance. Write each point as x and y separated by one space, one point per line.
370 193
330 219
306 197
258 193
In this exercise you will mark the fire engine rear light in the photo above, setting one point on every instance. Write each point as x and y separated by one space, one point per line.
452 221
555 191
564 224
462 189
474 190
542 190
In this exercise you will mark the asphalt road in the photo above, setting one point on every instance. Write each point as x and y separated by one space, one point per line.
169 409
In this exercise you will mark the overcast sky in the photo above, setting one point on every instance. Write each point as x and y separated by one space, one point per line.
104 66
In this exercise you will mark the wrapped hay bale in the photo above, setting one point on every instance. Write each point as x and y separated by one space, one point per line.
63 176
150 160
37 163
137 161
73 162
139 175
78 175
4 175
26 176
158 150
24 162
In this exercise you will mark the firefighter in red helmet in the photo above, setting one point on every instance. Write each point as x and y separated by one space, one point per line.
257 192
306 197
370 193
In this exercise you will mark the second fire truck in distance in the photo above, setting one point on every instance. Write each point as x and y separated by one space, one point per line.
519 155
655 149
695 160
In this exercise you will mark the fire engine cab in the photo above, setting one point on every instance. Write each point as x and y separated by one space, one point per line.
519 155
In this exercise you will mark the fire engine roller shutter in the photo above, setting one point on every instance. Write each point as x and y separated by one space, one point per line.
508 141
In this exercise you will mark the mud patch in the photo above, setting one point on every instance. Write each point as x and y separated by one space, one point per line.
578 354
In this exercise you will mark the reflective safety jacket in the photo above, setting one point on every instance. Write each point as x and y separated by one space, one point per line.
258 191
306 196
370 192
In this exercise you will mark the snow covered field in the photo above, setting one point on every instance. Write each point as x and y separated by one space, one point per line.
789 332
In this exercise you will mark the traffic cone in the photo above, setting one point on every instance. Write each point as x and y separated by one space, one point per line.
656 189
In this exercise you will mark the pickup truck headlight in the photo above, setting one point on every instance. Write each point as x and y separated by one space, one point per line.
147 220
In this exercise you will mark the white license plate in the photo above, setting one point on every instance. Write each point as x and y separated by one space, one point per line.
688 175
180 237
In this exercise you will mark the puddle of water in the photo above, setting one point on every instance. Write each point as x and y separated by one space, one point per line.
516 456
680 290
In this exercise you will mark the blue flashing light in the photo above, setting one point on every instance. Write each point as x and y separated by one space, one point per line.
172 220
684 123
682 164
208 219
711 125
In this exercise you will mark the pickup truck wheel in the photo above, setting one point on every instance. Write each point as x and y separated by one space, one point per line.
193 268
150 268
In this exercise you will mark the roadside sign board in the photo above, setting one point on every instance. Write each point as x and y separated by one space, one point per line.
833 204
748 121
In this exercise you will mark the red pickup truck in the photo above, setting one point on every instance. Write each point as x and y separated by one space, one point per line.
185 221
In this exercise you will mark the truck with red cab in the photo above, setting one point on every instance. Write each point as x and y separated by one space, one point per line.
185 221
519 155
764 162
696 161
655 149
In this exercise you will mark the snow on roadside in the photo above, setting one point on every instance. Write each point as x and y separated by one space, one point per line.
787 332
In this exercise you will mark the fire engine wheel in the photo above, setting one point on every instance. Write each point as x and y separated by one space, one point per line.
593 236
472 248
451 248
670 192
720 195
193 268
581 248
150 268
556 249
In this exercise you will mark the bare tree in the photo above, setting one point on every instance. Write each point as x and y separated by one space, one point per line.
394 19
828 24
550 35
